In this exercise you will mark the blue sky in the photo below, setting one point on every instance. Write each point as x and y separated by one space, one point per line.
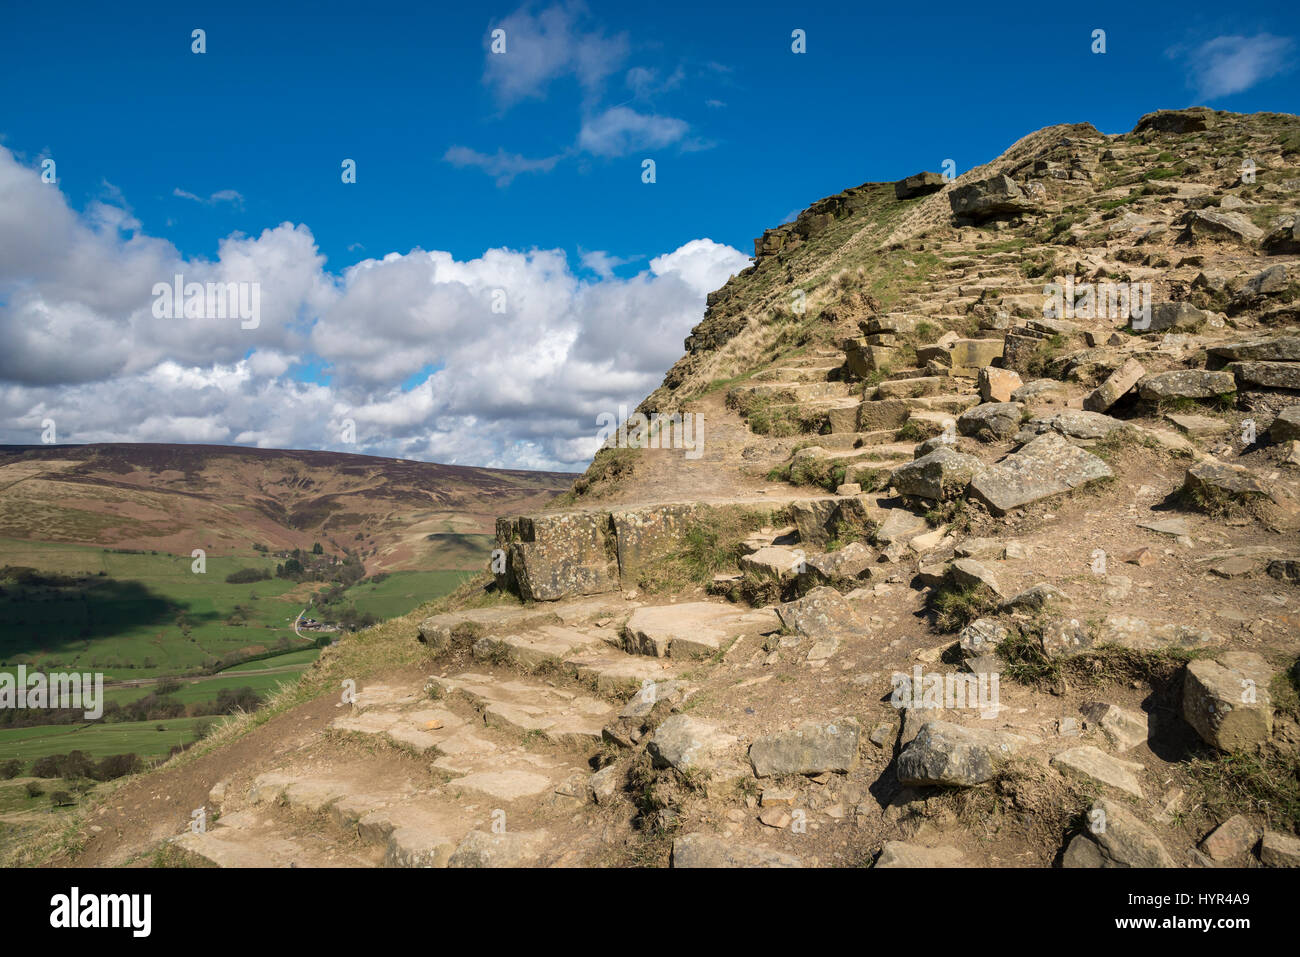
462 151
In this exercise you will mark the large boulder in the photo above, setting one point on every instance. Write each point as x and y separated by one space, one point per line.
954 756
1226 700
1284 237
992 420
1115 838
812 748
1266 375
1047 466
919 184
1115 387
941 475
996 196
821 614
1187 384
559 555
1077 424
1286 426
1191 120
1219 226
846 564
1219 483
1175 317
688 744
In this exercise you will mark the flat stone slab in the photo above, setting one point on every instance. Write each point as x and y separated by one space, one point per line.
901 854
812 748
1267 375
703 850
1199 426
561 716
510 849
693 629
689 744
1095 765
1047 466
1186 384
1261 349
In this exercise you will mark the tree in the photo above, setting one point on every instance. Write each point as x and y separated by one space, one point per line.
317 550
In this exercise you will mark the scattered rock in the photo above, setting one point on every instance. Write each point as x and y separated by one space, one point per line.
997 385
1279 850
899 854
992 420
941 475
1226 700
1098 767
811 748
1232 841
703 850
1115 838
1047 466
1125 730
954 756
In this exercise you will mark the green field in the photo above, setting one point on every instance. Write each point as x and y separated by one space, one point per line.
139 617
299 659
100 740
401 591
147 615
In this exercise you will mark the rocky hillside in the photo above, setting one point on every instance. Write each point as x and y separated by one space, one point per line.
981 553
173 498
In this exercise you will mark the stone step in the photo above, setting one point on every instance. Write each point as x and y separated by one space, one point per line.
255 838
546 645
813 357
808 373
857 440
616 673
799 391
696 629
560 716
883 454
410 824
914 388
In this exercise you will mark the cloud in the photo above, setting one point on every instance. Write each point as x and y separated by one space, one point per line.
1232 64
543 47
220 196
502 165
621 130
602 263
501 360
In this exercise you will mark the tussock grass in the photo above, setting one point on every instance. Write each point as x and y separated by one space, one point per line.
956 607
